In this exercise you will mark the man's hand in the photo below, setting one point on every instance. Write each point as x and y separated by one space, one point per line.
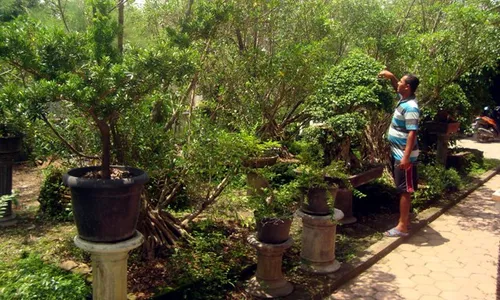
386 74
405 163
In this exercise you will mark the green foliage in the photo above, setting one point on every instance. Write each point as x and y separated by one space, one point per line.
4 202
280 194
210 265
312 176
53 203
453 101
32 278
438 181
351 86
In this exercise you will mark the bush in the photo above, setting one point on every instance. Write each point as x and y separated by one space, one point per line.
438 180
210 265
32 278
53 203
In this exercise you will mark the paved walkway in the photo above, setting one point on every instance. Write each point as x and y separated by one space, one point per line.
455 257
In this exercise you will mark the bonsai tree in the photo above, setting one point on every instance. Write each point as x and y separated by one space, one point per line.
352 108
84 70
279 197
275 202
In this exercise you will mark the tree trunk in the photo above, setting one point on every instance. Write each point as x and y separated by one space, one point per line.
121 6
106 148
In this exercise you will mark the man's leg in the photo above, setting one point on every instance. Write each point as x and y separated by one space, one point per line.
404 212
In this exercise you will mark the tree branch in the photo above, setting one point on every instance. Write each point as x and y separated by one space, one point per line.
44 118
218 190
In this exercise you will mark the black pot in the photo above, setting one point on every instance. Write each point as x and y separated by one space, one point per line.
273 230
105 210
10 145
317 201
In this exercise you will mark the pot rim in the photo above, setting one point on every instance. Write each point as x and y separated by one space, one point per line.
73 178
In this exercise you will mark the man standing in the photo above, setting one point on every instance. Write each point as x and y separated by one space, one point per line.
402 137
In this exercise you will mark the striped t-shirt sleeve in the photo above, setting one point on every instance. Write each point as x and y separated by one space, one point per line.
411 115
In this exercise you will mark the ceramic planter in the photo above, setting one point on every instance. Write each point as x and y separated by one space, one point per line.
318 201
273 230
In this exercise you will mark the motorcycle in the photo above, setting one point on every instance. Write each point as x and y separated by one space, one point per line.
486 126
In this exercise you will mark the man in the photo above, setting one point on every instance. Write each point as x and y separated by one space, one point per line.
402 137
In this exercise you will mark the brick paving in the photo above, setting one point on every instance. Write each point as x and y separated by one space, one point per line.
455 257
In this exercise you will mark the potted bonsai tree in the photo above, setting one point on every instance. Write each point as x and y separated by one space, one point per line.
447 110
85 71
320 186
275 203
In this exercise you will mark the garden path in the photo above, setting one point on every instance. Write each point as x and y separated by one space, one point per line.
454 257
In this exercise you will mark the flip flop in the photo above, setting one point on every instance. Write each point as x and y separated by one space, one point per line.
394 232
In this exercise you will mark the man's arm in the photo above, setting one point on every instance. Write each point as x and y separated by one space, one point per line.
388 75
410 142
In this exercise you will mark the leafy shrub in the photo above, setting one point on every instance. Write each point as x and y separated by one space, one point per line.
4 202
210 265
438 180
53 204
32 278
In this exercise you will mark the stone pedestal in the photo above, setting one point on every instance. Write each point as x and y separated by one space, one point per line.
8 221
269 281
442 148
318 242
343 202
109 266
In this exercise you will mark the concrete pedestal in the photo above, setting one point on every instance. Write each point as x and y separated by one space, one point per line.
318 242
109 266
269 281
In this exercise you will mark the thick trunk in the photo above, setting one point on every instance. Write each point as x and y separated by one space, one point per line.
106 148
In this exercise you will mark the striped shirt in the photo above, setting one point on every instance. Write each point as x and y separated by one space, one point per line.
404 120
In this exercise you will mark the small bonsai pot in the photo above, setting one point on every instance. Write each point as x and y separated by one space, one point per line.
105 210
260 162
273 230
317 201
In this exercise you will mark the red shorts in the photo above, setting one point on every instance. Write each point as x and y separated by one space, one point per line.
405 180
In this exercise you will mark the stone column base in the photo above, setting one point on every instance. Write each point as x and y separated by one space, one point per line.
348 220
320 268
318 242
109 266
269 281
266 289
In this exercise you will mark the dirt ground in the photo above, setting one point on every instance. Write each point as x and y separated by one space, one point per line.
26 180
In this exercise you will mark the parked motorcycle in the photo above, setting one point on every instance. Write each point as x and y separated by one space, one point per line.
486 126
